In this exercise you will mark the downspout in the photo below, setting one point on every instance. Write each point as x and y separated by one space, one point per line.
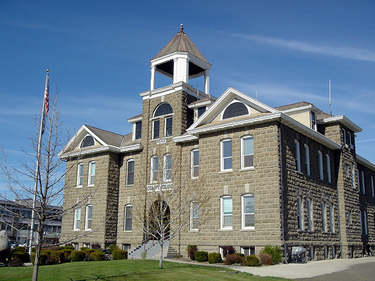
338 210
282 191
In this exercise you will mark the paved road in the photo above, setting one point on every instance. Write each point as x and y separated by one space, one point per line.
361 272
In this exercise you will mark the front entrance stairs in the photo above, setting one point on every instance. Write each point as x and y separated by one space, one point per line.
152 251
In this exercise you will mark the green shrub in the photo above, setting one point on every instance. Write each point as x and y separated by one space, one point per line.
252 260
57 256
77 256
112 247
201 256
87 251
97 255
232 258
119 254
191 249
265 259
69 248
42 258
19 253
96 246
144 255
66 254
214 258
274 252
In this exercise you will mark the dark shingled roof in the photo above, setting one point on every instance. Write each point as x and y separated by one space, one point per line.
180 43
106 136
293 105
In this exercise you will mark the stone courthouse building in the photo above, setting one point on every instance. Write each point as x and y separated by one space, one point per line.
286 176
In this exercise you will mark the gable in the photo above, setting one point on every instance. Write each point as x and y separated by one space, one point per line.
240 106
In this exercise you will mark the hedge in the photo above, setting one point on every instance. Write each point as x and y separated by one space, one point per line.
201 256
214 258
77 256
119 254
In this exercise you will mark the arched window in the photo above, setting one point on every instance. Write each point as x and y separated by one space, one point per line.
234 110
163 109
87 141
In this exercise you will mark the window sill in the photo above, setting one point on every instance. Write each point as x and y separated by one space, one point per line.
225 229
248 229
128 231
88 229
247 169
79 186
194 230
132 184
91 185
226 171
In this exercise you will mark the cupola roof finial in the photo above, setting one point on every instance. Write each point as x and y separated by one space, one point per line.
181 27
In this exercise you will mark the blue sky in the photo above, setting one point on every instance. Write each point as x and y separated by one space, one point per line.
98 53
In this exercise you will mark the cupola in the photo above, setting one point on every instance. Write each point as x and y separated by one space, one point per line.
181 61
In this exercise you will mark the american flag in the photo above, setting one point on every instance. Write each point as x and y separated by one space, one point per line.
46 94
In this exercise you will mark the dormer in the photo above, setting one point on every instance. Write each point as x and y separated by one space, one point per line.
181 61
303 112
136 122
200 106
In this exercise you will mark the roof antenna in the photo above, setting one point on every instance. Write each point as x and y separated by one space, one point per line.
181 27
330 97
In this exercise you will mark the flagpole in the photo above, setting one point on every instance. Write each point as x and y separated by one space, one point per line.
36 176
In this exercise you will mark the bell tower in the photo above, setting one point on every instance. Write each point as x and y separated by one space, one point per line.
181 61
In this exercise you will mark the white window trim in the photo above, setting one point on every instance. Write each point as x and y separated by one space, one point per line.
192 166
309 206
329 175
152 174
243 152
192 204
166 169
243 211
222 155
90 176
299 213
298 155
76 212
324 217
321 165
363 182
127 171
125 217
79 174
331 218
222 213
307 159
165 125
87 219
353 174
153 129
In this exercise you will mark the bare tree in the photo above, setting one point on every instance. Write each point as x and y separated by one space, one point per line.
172 205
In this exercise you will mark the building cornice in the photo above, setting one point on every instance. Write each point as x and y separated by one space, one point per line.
343 120
365 162
108 148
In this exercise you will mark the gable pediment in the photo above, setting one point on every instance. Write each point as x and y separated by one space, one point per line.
232 105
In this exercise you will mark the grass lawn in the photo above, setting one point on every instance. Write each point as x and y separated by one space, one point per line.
126 270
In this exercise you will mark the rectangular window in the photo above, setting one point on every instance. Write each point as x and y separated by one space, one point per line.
226 155
344 136
88 224
363 182
298 156
155 129
353 174
248 211
321 169
138 130
201 110
130 173
324 217
313 120
195 163
307 159
128 218
247 149
194 215
248 251
154 168
126 247
226 212
331 221
167 167
309 214
91 173
328 159
168 126
299 213
80 174
372 187
358 181
77 218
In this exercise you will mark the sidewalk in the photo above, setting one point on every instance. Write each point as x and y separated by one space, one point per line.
295 270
